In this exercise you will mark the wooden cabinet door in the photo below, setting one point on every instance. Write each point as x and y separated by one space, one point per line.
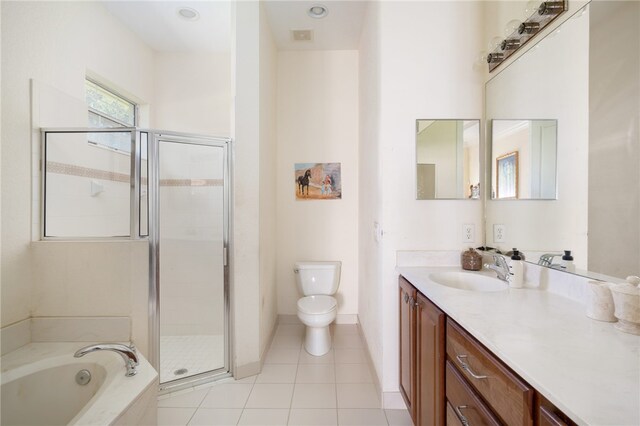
430 361
549 415
407 346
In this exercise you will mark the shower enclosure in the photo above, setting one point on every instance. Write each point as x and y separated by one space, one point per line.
173 189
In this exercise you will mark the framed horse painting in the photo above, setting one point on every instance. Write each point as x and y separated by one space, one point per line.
318 181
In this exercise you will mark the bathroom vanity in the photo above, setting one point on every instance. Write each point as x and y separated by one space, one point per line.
510 356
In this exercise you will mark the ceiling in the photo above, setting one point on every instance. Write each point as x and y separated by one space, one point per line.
157 23
339 30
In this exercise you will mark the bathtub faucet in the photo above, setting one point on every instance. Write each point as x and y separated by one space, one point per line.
128 353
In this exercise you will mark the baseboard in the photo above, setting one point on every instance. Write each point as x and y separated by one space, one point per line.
247 370
340 319
372 369
347 319
393 401
263 355
288 319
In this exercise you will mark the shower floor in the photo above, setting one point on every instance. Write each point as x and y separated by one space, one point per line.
195 353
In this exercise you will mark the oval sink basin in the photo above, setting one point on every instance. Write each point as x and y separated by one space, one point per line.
468 281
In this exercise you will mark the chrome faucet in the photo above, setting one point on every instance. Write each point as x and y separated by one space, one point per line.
547 260
128 353
500 267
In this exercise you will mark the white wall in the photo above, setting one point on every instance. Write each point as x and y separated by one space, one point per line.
560 92
268 222
370 291
614 138
317 122
421 71
245 268
2 320
496 15
192 93
64 42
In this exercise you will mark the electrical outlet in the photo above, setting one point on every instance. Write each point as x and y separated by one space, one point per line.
499 233
468 233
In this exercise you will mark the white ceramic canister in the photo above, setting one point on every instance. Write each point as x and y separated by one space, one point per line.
600 304
626 297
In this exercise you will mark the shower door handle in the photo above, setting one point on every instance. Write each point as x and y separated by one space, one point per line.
224 256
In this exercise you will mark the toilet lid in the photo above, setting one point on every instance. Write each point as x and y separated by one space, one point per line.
316 304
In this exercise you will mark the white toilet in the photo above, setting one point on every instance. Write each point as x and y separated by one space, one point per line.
317 281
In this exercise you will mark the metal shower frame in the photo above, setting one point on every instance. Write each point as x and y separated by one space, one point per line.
154 137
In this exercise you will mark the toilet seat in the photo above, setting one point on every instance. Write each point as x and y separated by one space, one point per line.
317 304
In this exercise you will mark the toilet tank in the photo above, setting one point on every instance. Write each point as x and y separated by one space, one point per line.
317 277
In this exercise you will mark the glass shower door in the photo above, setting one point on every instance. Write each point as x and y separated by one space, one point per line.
191 237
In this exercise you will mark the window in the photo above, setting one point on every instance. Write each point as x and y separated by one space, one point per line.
107 109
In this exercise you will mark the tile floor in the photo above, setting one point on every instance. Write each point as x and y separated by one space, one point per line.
294 388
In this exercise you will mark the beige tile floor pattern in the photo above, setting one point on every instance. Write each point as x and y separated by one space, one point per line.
294 388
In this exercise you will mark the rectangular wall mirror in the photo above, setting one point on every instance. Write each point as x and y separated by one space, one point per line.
584 76
447 159
523 159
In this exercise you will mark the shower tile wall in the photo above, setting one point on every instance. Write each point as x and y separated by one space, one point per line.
88 191
191 269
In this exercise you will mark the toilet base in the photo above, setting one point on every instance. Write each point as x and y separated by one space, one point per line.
317 340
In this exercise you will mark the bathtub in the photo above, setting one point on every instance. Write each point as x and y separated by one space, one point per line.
39 388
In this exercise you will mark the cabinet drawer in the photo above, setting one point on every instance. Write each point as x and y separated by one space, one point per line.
465 405
548 415
452 417
508 395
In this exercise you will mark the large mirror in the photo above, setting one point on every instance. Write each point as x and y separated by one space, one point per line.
447 159
523 157
584 76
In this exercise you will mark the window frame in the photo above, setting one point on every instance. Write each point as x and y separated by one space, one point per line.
116 94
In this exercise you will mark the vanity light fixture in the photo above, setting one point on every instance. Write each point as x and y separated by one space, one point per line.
540 14
551 8
495 58
511 26
188 14
510 44
318 11
528 28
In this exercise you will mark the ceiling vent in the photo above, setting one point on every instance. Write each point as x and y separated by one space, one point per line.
302 35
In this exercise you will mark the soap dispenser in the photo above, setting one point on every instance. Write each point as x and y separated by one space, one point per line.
516 270
567 262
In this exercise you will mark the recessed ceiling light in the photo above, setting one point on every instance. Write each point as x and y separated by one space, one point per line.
318 11
188 13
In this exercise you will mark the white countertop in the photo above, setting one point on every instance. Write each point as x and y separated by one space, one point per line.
587 368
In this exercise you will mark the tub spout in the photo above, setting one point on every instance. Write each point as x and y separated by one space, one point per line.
128 353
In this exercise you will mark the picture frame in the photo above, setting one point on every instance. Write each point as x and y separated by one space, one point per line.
318 181
507 176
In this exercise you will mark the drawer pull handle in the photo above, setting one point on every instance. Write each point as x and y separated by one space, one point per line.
406 297
463 419
462 360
